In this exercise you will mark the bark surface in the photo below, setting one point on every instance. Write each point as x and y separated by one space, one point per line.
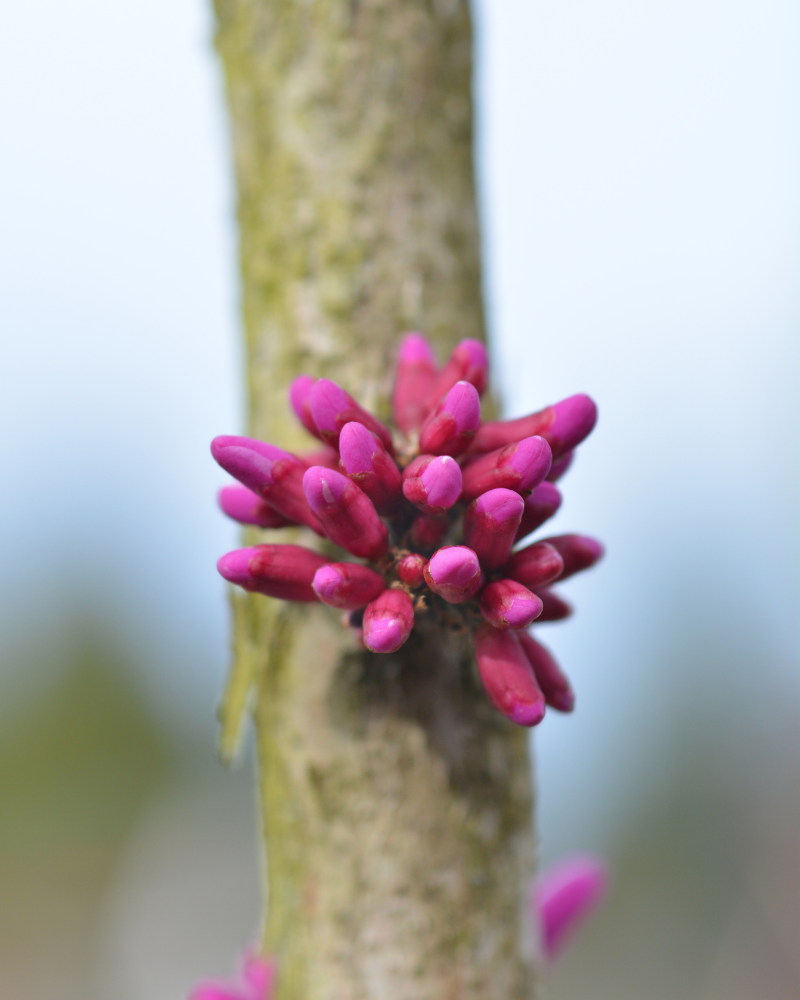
396 803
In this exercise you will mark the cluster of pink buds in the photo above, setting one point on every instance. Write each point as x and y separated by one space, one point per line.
432 512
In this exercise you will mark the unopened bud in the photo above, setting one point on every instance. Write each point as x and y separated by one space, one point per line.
535 566
563 426
272 473
508 677
432 484
554 607
247 507
507 604
451 426
454 573
467 363
411 569
540 505
332 408
428 531
563 898
346 514
560 466
300 400
416 373
490 525
520 466
578 552
554 683
284 571
347 585
370 466
388 621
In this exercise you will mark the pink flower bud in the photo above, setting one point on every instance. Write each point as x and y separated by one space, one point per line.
564 897
560 466
467 363
507 604
259 975
451 426
416 373
454 573
284 571
411 570
211 990
300 399
520 466
347 585
563 426
432 484
555 685
554 607
535 566
539 507
272 473
332 408
579 552
428 531
247 507
508 677
346 514
370 466
490 525
388 621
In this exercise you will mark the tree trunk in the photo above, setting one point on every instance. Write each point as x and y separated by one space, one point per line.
396 804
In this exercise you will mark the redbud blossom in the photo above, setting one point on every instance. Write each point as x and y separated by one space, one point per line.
451 426
507 604
284 571
467 363
300 400
272 473
247 507
347 585
520 466
490 525
508 677
346 514
428 531
535 566
332 408
539 507
370 466
411 569
416 373
454 573
579 552
555 685
560 466
554 607
564 896
432 484
211 990
388 621
563 426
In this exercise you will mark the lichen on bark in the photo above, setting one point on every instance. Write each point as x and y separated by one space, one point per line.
396 804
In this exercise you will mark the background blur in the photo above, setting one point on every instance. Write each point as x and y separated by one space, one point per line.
639 168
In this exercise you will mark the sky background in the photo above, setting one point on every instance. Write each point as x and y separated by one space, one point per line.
638 165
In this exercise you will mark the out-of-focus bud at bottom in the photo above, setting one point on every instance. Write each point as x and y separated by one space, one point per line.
388 621
508 677
564 897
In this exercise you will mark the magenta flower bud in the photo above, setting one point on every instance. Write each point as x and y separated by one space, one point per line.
284 571
507 604
578 552
388 621
467 363
300 399
416 373
507 676
428 531
411 570
554 607
535 566
451 426
490 525
563 898
272 473
555 685
347 585
563 426
346 514
247 507
215 990
454 573
259 975
560 466
432 484
370 466
332 408
539 507
520 467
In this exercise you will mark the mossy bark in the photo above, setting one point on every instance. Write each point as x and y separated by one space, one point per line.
396 803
